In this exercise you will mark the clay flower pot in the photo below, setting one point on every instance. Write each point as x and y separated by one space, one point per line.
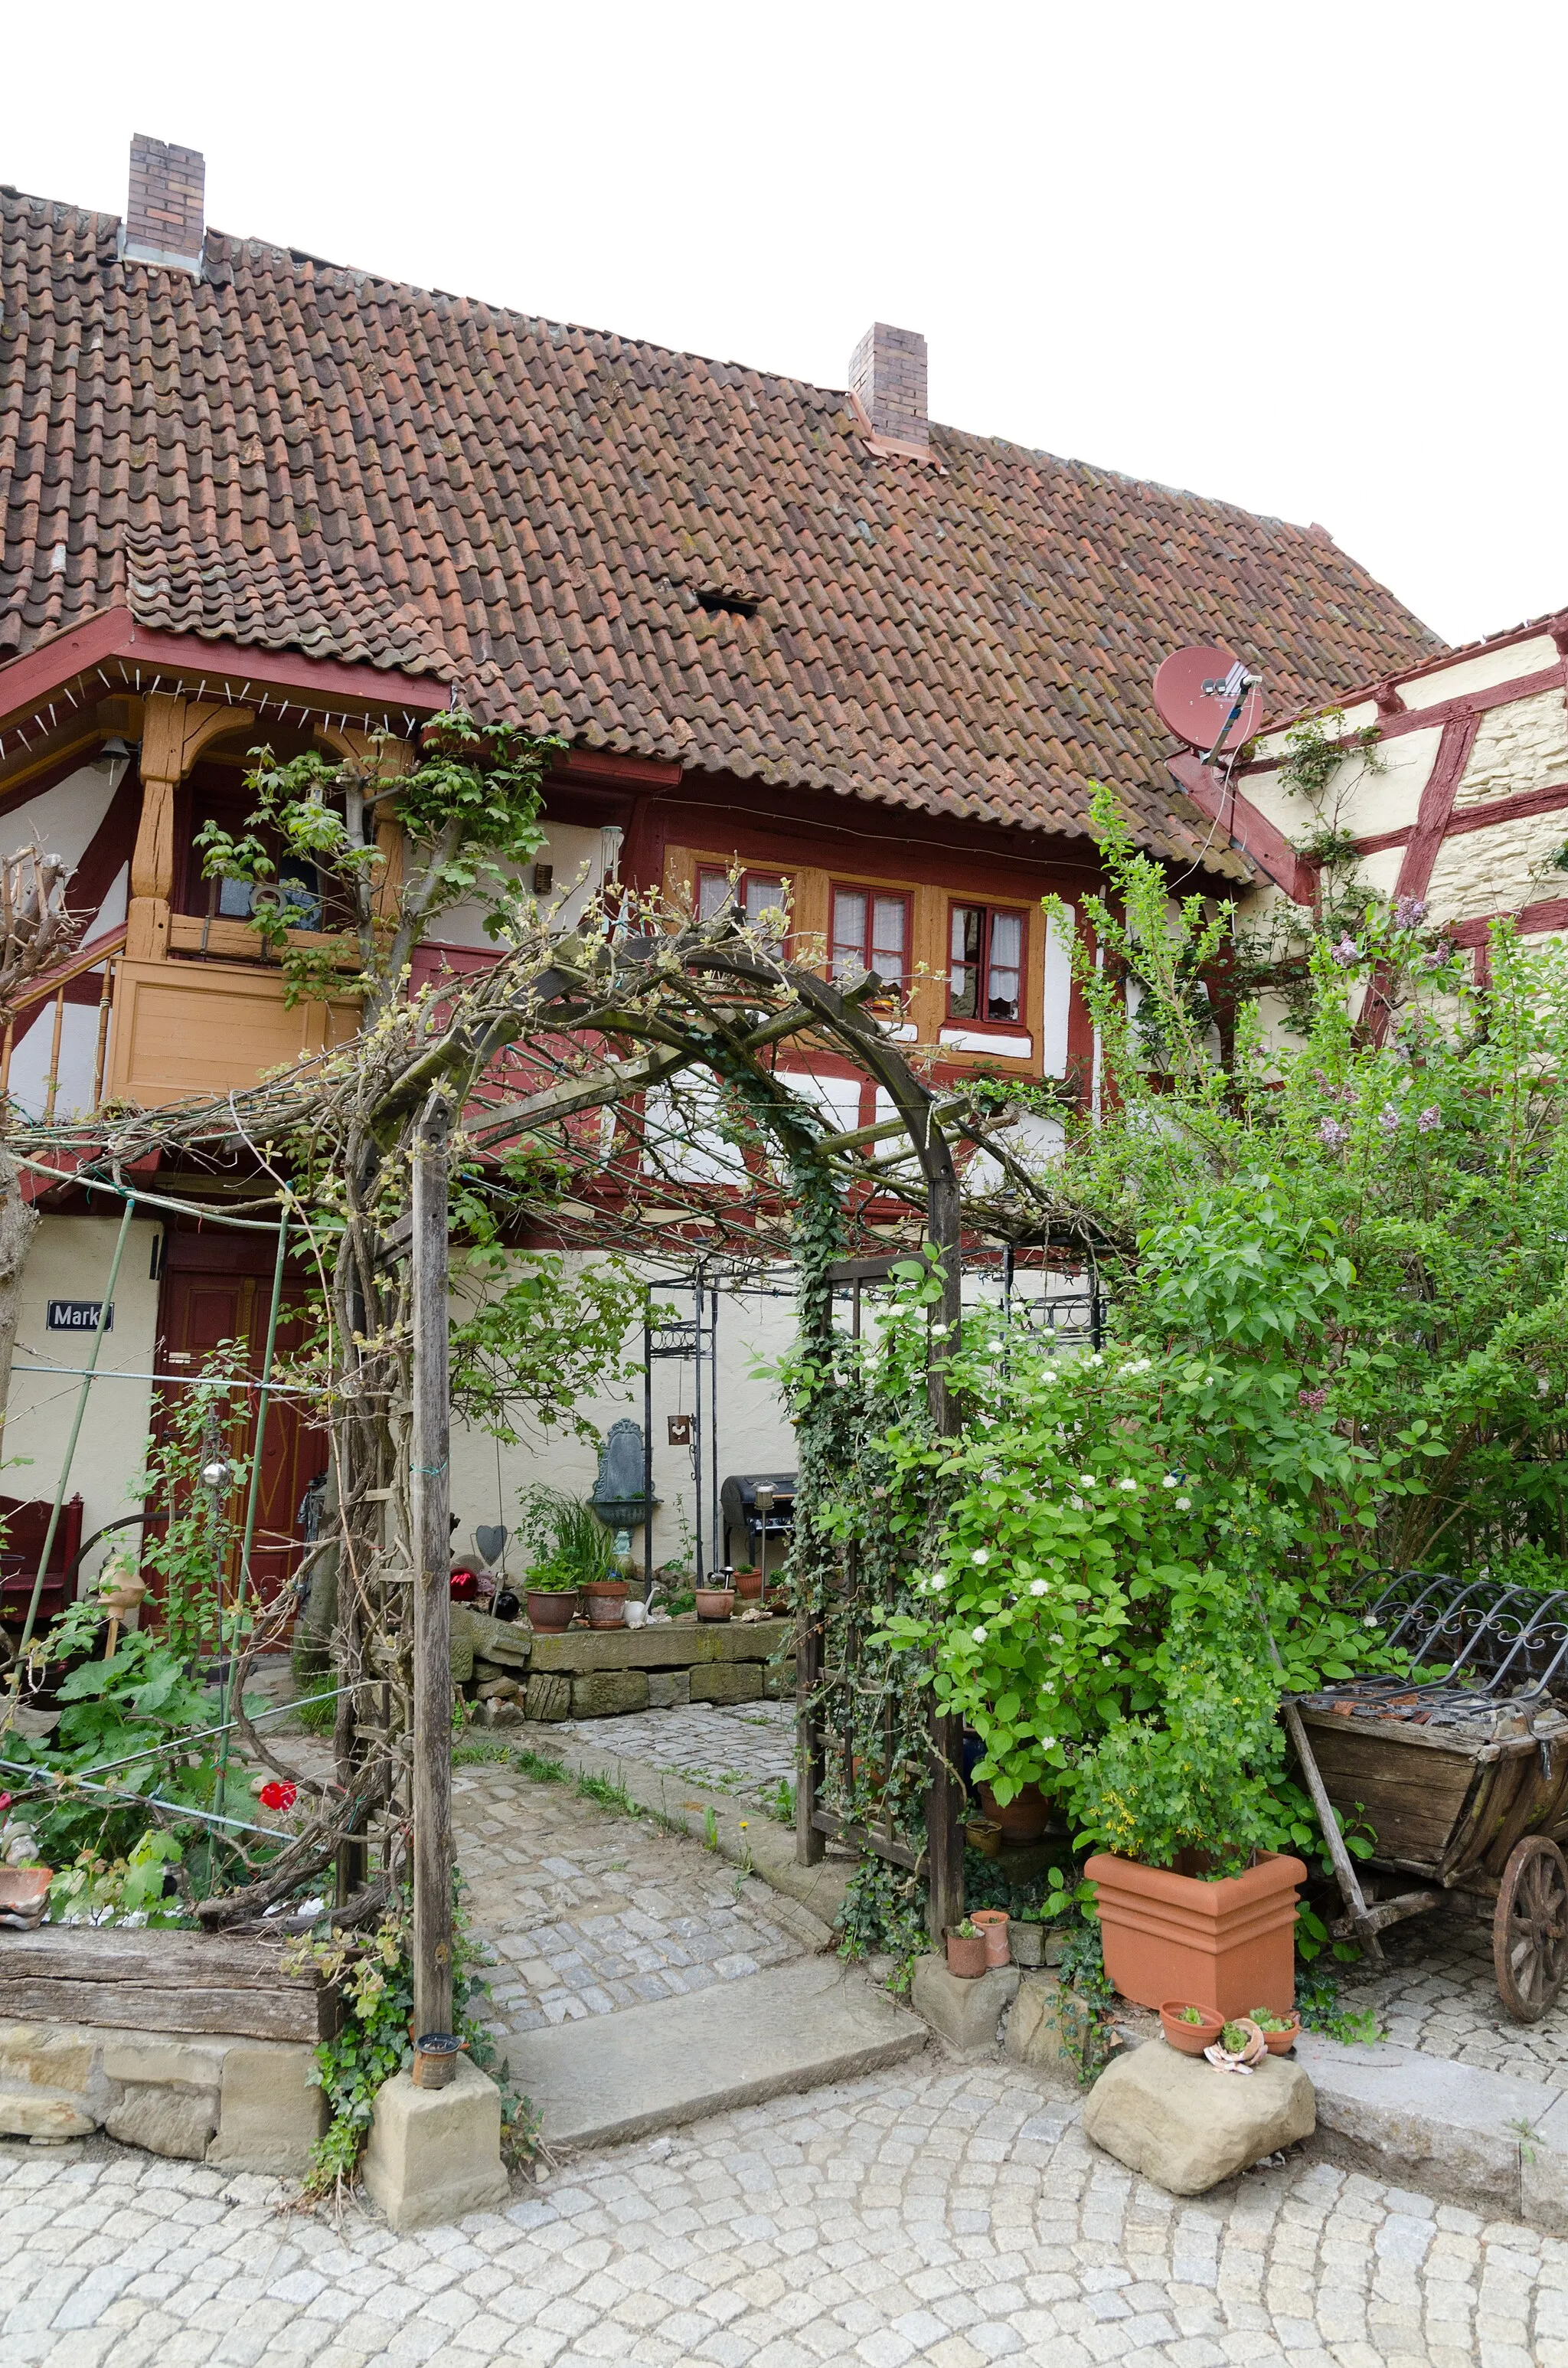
965 1957
1189 2038
1228 2060
605 1610
551 1609
1226 1946
992 1922
23 1891
748 1585
1022 1819
715 1602
1279 2042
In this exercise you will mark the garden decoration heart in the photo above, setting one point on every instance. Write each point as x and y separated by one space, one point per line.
491 1540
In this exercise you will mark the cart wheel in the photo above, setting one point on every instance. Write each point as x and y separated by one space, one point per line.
1529 1931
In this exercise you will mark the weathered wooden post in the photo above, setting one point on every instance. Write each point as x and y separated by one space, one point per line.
431 1502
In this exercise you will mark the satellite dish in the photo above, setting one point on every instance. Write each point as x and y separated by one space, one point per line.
1207 699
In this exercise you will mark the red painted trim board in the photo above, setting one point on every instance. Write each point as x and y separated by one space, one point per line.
1250 832
1436 805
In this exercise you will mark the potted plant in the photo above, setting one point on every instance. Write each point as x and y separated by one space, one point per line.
1192 1903
748 1584
1239 2046
992 1922
1280 2031
552 1598
966 1950
1022 1819
1190 2028
715 1602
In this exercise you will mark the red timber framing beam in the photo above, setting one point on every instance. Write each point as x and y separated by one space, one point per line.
1247 830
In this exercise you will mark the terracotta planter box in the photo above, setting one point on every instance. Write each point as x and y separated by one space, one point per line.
1229 1945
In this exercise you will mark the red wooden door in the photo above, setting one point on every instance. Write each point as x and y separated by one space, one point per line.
208 1298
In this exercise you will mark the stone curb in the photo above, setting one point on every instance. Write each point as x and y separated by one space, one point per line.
1486 2140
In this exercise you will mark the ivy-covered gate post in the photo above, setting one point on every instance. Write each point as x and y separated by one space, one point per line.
430 1495
945 1794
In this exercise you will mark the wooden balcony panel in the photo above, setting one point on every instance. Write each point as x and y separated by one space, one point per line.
185 1029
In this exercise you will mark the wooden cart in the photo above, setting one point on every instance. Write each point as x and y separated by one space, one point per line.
1463 1790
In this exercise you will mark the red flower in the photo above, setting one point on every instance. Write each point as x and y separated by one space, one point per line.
4 1803
279 1796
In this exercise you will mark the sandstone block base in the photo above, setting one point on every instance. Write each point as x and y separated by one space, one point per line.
436 2153
42 2113
269 2116
165 2119
727 1681
1186 2125
1045 2026
548 1698
669 1688
964 2013
608 1694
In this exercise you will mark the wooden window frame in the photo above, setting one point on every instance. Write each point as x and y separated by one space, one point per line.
706 872
1020 1026
871 890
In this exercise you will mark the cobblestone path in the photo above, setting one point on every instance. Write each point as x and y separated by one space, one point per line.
1440 1994
944 2215
749 1748
587 1911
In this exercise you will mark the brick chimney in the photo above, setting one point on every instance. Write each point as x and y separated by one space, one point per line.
887 378
163 217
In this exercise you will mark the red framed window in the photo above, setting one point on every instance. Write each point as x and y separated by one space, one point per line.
868 929
985 978
754 893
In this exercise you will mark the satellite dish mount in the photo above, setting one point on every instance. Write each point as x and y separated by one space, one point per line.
1208 698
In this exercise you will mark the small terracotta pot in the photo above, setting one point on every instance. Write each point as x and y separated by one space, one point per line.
982 1836
23 1889
1190 2038
748 1585
1022 1819
715 1602
551 1610
1026 1942
992 1922
1279 2042
605 1610
1251 2052
966 1958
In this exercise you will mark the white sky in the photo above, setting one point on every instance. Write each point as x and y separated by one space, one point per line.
1309 258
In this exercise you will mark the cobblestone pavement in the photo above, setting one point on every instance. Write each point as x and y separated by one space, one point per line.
934 2215
587 1911
1439 1995
749 1748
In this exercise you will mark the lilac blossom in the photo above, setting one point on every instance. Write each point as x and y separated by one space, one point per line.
1388 1118
1430 1117
1314 1401
1409 913
1347 952
1332 1133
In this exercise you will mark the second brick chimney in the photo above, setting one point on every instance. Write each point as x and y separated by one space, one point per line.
165 216
887 378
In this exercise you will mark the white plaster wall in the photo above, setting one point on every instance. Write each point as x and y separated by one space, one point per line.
1521 746
754 1433
63 821
577 855
1272 744
70 1259
79 1059
1481 672
1356 798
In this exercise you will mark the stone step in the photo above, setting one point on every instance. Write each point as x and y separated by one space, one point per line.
609 2077
1488 2140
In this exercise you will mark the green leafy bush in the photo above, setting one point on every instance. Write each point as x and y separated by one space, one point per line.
1197 1782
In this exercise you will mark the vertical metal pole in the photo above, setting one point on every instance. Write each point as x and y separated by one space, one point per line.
945 1792
253 1498
431 1497
648 1449
721 1544
104 1306
697 1420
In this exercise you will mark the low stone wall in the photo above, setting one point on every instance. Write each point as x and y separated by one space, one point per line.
242 2103
191 2044
607 1672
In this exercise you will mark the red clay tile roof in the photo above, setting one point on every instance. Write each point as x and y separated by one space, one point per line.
303 456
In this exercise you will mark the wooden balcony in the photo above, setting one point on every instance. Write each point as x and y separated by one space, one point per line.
183 1029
